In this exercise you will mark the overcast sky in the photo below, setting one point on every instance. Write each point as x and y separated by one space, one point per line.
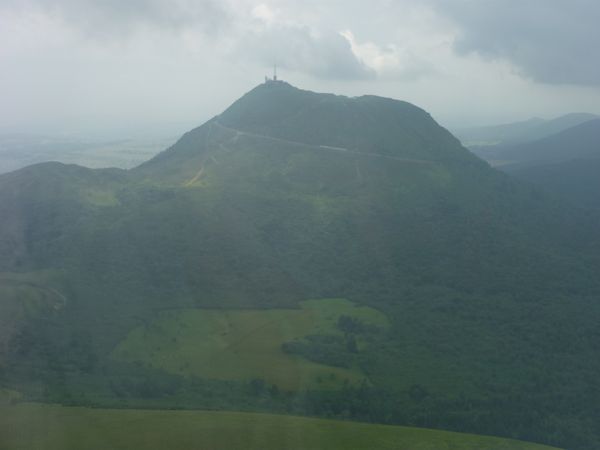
163 66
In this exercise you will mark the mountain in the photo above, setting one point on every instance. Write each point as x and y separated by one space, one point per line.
579 142
332 124
496 134
519 132
566 164
310 254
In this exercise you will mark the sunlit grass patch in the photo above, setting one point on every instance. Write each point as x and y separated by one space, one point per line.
246 344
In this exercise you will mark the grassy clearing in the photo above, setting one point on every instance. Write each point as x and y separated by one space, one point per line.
101 197
245 344
49 427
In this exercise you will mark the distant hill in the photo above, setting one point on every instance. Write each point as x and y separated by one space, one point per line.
579 142
311 254
496 134
519 132
566 164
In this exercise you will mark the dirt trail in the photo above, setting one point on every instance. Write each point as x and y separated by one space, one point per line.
196 177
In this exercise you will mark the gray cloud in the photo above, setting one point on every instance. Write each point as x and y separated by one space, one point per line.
115 18
185 60
552 41
324 55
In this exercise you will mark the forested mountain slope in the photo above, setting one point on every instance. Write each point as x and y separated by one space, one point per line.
489 288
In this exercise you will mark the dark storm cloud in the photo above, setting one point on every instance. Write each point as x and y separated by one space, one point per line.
112 18
552 41
324 55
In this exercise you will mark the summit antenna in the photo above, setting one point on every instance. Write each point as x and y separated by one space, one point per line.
274 72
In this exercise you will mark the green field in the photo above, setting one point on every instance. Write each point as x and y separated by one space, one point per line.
246 344
49 427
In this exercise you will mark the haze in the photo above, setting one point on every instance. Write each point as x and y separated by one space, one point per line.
163 66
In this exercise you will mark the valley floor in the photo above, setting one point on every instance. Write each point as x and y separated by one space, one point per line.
52 427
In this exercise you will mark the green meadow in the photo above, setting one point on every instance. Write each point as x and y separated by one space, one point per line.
246 344
51 427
